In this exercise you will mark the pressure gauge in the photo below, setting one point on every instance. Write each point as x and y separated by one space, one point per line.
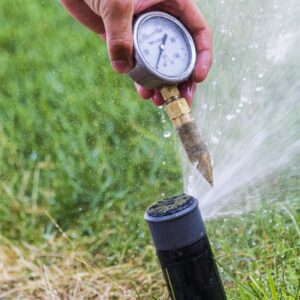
164 50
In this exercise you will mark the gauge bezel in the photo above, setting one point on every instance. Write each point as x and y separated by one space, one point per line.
187 36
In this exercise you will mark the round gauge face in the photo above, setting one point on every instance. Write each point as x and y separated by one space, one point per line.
164 46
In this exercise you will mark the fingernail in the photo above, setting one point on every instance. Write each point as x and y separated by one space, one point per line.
121 66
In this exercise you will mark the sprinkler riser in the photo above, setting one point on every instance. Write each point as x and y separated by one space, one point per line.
184 252
191 272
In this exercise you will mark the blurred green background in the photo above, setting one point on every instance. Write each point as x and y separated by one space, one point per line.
75 137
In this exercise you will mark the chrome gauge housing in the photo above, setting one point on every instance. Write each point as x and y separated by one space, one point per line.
164 50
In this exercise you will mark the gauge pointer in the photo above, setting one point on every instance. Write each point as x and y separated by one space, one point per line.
161 49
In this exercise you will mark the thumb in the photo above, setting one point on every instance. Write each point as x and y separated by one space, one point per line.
117 18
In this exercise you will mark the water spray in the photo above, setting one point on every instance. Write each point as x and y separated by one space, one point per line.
183 249
165 55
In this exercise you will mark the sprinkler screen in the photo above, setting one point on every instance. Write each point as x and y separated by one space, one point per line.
170 205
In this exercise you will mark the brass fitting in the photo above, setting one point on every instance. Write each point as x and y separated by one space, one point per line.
177 108
180 114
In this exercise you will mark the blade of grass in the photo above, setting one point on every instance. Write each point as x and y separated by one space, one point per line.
258 289
272 287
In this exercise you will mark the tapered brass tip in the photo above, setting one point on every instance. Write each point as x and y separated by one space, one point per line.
205 167
196 149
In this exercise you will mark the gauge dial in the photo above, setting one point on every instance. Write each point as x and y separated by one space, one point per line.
164 50
163 45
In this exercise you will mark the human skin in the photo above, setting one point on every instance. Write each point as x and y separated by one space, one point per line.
112 20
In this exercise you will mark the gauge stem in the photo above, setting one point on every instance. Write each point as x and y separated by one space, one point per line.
190 136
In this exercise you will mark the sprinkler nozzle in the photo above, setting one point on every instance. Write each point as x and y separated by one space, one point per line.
190 136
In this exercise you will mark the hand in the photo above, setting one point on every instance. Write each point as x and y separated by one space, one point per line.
112 20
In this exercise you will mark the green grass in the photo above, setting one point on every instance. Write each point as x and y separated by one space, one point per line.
82 155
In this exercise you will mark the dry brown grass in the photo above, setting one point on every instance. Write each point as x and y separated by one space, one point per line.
29 272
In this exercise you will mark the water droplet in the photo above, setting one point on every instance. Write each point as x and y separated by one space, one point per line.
163 163
244 99
261 75
259 88
214 140
167 134
230 117
141 235
238 110
33 156
233 58
163 194
73 235
52 201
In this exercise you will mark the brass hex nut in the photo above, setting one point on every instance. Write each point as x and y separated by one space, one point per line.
182 120
177 108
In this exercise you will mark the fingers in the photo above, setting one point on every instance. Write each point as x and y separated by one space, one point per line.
204 54
81 12
117 18
143 92
112 19
146 94
187 91
157 98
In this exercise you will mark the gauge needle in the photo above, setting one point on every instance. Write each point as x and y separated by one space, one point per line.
161 49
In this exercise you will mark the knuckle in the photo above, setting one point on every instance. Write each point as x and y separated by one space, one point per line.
93 5
121 5
119 45
115 8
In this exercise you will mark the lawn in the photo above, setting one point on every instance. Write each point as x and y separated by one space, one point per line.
81 157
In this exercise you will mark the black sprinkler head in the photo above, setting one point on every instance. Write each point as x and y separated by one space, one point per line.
183 249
